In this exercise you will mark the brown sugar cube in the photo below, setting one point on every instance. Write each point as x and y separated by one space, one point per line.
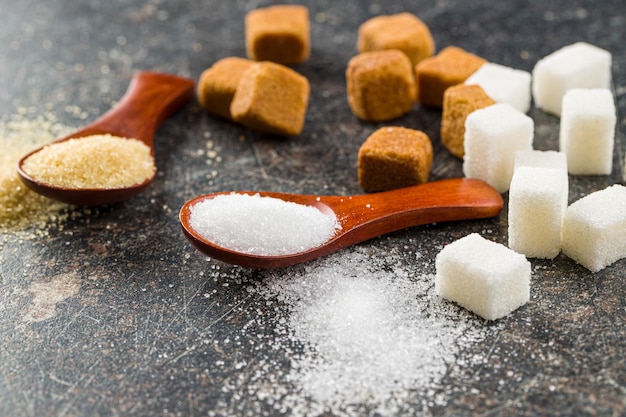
278 33
435 74
217 85
458 102
394 157
271 98
381 85
403 31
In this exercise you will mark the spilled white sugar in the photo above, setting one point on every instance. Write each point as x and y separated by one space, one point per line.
377 340
261 225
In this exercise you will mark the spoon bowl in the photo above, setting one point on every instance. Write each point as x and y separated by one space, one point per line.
364 216
151 98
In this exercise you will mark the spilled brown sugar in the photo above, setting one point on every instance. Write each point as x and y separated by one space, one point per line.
96 161
21 208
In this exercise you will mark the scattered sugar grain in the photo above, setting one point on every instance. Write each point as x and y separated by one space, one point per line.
261 225
20 208
376 340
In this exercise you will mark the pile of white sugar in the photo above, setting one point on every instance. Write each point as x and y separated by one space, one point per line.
376 339
261 225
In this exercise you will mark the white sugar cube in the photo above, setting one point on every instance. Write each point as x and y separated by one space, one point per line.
540 159
537 203
579 65
504 84
543 159
587 134
482 276
594 228
492 136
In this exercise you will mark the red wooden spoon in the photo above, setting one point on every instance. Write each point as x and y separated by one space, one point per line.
365 216
151 98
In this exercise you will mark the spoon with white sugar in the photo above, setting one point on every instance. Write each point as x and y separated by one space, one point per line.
271 230
111 159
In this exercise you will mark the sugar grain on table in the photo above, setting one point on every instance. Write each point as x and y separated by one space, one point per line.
376 337
21 208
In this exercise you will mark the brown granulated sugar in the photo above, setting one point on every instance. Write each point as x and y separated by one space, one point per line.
96 161
22 211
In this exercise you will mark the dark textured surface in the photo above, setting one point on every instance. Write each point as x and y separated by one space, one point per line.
138 334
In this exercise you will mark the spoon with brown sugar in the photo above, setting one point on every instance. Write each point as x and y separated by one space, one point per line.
111 159
237 238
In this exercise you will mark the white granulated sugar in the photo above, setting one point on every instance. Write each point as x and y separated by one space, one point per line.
376 337
261 225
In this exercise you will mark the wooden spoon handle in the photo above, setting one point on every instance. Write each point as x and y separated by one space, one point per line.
151 98
371 215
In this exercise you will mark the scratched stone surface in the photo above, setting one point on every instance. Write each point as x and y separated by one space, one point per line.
115 314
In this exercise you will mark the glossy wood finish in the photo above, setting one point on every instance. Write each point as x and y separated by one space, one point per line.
150 98
365 216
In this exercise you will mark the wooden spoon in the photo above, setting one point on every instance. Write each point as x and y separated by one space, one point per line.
151 98
365 216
